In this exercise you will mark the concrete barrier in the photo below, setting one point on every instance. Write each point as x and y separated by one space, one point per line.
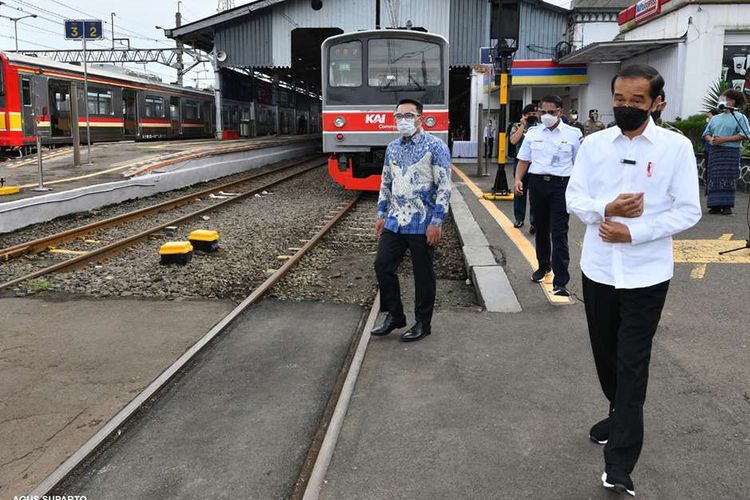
489 278
21 213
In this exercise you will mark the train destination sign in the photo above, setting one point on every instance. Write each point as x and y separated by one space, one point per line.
90 29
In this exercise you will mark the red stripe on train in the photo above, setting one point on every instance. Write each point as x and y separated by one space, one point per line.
378 121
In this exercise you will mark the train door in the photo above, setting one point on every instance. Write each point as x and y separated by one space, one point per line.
129 115
59 109
27 109
174 116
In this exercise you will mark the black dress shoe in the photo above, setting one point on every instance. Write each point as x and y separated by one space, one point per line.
416 332
389 325
518 223
532 229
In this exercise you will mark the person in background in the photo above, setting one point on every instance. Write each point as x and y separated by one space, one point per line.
518 131
634 186
725 133
656 114
573 121
592 124
415 193
489 139
706 147
550 150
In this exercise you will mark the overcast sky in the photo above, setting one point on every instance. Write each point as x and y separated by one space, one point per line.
134 19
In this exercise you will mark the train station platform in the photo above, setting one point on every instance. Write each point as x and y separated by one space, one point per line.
499 405
127 169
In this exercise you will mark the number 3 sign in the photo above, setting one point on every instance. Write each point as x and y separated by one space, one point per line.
79 29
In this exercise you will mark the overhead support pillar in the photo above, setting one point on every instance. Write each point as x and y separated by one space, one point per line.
217 95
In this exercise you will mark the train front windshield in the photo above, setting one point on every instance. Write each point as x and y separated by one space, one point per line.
395 68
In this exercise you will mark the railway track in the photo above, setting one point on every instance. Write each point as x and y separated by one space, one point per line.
217 196
140 407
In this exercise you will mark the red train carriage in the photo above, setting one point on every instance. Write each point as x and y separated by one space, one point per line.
364 75
120 106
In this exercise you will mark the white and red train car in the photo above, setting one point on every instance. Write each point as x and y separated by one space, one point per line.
364 76
121 106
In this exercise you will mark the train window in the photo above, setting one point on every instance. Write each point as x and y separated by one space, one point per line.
192 110
62 102
100 102
2 85
26 92
402 63
154 107
345 64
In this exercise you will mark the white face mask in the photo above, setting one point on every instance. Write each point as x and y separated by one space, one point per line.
573 117
406 127
549 120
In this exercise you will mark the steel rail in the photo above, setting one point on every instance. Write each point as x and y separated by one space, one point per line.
41 243
123 416
117 246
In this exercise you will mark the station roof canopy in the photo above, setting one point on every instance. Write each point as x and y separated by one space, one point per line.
200 34
616 51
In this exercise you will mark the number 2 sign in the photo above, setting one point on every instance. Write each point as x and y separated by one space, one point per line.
90 29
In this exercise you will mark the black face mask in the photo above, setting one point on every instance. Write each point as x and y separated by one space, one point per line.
629 119
531 120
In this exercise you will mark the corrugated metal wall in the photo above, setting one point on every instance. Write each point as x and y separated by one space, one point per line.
541 28
433 15
247 42
349 15
469 30
264 38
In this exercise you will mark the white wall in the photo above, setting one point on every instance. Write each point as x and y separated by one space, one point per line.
588 33
669 61
597 94
700 60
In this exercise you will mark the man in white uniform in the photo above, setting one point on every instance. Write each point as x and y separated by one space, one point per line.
635 185
551 151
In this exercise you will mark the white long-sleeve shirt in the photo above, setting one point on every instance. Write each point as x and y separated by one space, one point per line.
664 171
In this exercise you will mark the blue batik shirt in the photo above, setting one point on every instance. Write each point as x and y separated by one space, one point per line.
415 189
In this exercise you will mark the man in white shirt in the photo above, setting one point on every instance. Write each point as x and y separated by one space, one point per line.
550 150
489 139
634 185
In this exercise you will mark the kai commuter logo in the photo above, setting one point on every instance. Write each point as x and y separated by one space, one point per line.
375 118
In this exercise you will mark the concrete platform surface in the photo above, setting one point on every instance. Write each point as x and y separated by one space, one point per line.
500 405
239 423
496 406
110 161
67 366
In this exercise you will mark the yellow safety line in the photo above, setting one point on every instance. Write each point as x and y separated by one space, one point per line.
516 236
726 236
698 272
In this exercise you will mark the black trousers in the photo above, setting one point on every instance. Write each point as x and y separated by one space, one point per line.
547 200
391 249
622 324
489 144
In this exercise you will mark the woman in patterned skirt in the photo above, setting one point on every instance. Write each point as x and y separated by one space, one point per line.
725 133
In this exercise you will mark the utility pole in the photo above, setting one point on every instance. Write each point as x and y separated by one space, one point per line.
178 23
112 25
15 25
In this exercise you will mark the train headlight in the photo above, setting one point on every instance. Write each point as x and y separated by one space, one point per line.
339 121
340 137
430 121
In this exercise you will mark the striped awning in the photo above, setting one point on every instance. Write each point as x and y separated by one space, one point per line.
547 72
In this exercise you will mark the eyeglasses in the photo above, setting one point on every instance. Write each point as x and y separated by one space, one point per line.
543 112
408 116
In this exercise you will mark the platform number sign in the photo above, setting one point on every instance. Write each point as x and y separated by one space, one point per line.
90 29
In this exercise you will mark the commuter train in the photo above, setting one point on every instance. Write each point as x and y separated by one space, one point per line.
364 75
35 100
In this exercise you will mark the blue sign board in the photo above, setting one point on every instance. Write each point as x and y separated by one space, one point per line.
90 29
488 56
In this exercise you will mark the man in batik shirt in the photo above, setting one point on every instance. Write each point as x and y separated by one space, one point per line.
415 192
